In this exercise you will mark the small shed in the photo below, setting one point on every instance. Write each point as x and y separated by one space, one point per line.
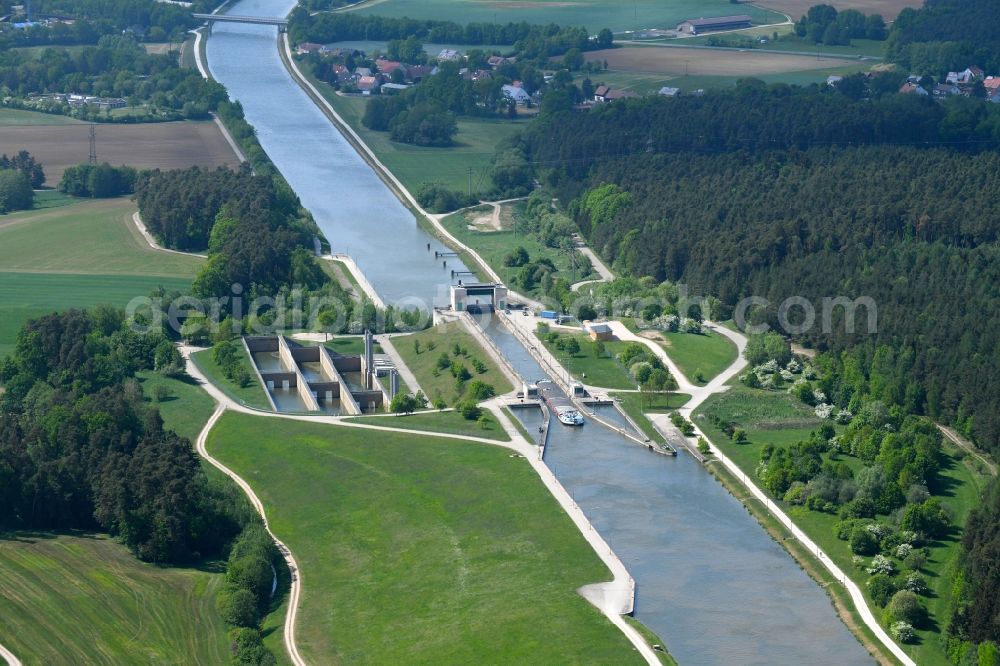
600 332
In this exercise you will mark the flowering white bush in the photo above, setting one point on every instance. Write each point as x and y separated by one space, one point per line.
768 382
794 366
809 372
915 583
902 632
823 410
355 327
844 416
690 325
819 395
909 536
881 564
769 367
878 529
787 375
667 322
858 561
903 549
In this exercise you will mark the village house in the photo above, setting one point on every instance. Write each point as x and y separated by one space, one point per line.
387 67
368 84
308 47
518 95
417 73
966 77
448 55
911 87
667 91
945 90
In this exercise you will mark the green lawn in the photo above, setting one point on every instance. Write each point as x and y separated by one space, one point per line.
652 639
443 338
646 83
421 550
789 42
592 14
476 143
10 117
347 345
77 253
777 418
604 371
52 199
452 423
187 407
251 396
708 353
493 245
90 236
24 296
84 599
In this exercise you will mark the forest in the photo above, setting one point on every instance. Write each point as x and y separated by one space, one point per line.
946 35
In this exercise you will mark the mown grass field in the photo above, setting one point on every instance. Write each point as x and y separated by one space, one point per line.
707 353
443 338
474 147
251 396
592 14
415 549
605 371
185 409
17 117
649 83
447 422
493 245
77 254
777 418
84 599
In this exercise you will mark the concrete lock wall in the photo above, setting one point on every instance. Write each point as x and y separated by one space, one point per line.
330 363
288 359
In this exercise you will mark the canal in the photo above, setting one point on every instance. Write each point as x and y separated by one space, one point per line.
709 580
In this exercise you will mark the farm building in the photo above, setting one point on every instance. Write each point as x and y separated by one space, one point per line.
518 95
702 25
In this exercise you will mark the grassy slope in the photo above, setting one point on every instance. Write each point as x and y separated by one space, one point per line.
187 408
85 599
476 142
251 396
493 246
15 117
776 418
605 371
444 337
708 352
419 550
77 255
446 422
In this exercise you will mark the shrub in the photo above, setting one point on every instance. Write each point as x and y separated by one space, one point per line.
443 361
470 410
863 542
162 392
478 366
881 565
480 390
905 606
237 607
915 583
902 632
881 587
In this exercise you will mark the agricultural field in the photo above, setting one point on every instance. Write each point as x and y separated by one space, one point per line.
439 340
777 418
79 253
889 9
592 14
474 147
58 144
83 598
787 42
456 548
449 422
494 235
674 61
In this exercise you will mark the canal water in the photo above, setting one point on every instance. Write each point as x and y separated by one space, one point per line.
709 580
357 213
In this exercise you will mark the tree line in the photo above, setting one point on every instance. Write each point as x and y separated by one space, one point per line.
946 35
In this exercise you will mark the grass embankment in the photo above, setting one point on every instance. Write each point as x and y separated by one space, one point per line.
651 640
452 423
418 549
185 407
72 599
705 353
474 146
77 254
348 345
493 244
251 396
637 406
590 368
777 418
439 340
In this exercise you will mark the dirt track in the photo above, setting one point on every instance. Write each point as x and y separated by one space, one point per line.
708 62
153 145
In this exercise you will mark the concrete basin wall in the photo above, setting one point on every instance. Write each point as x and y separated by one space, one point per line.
288 358
329 363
